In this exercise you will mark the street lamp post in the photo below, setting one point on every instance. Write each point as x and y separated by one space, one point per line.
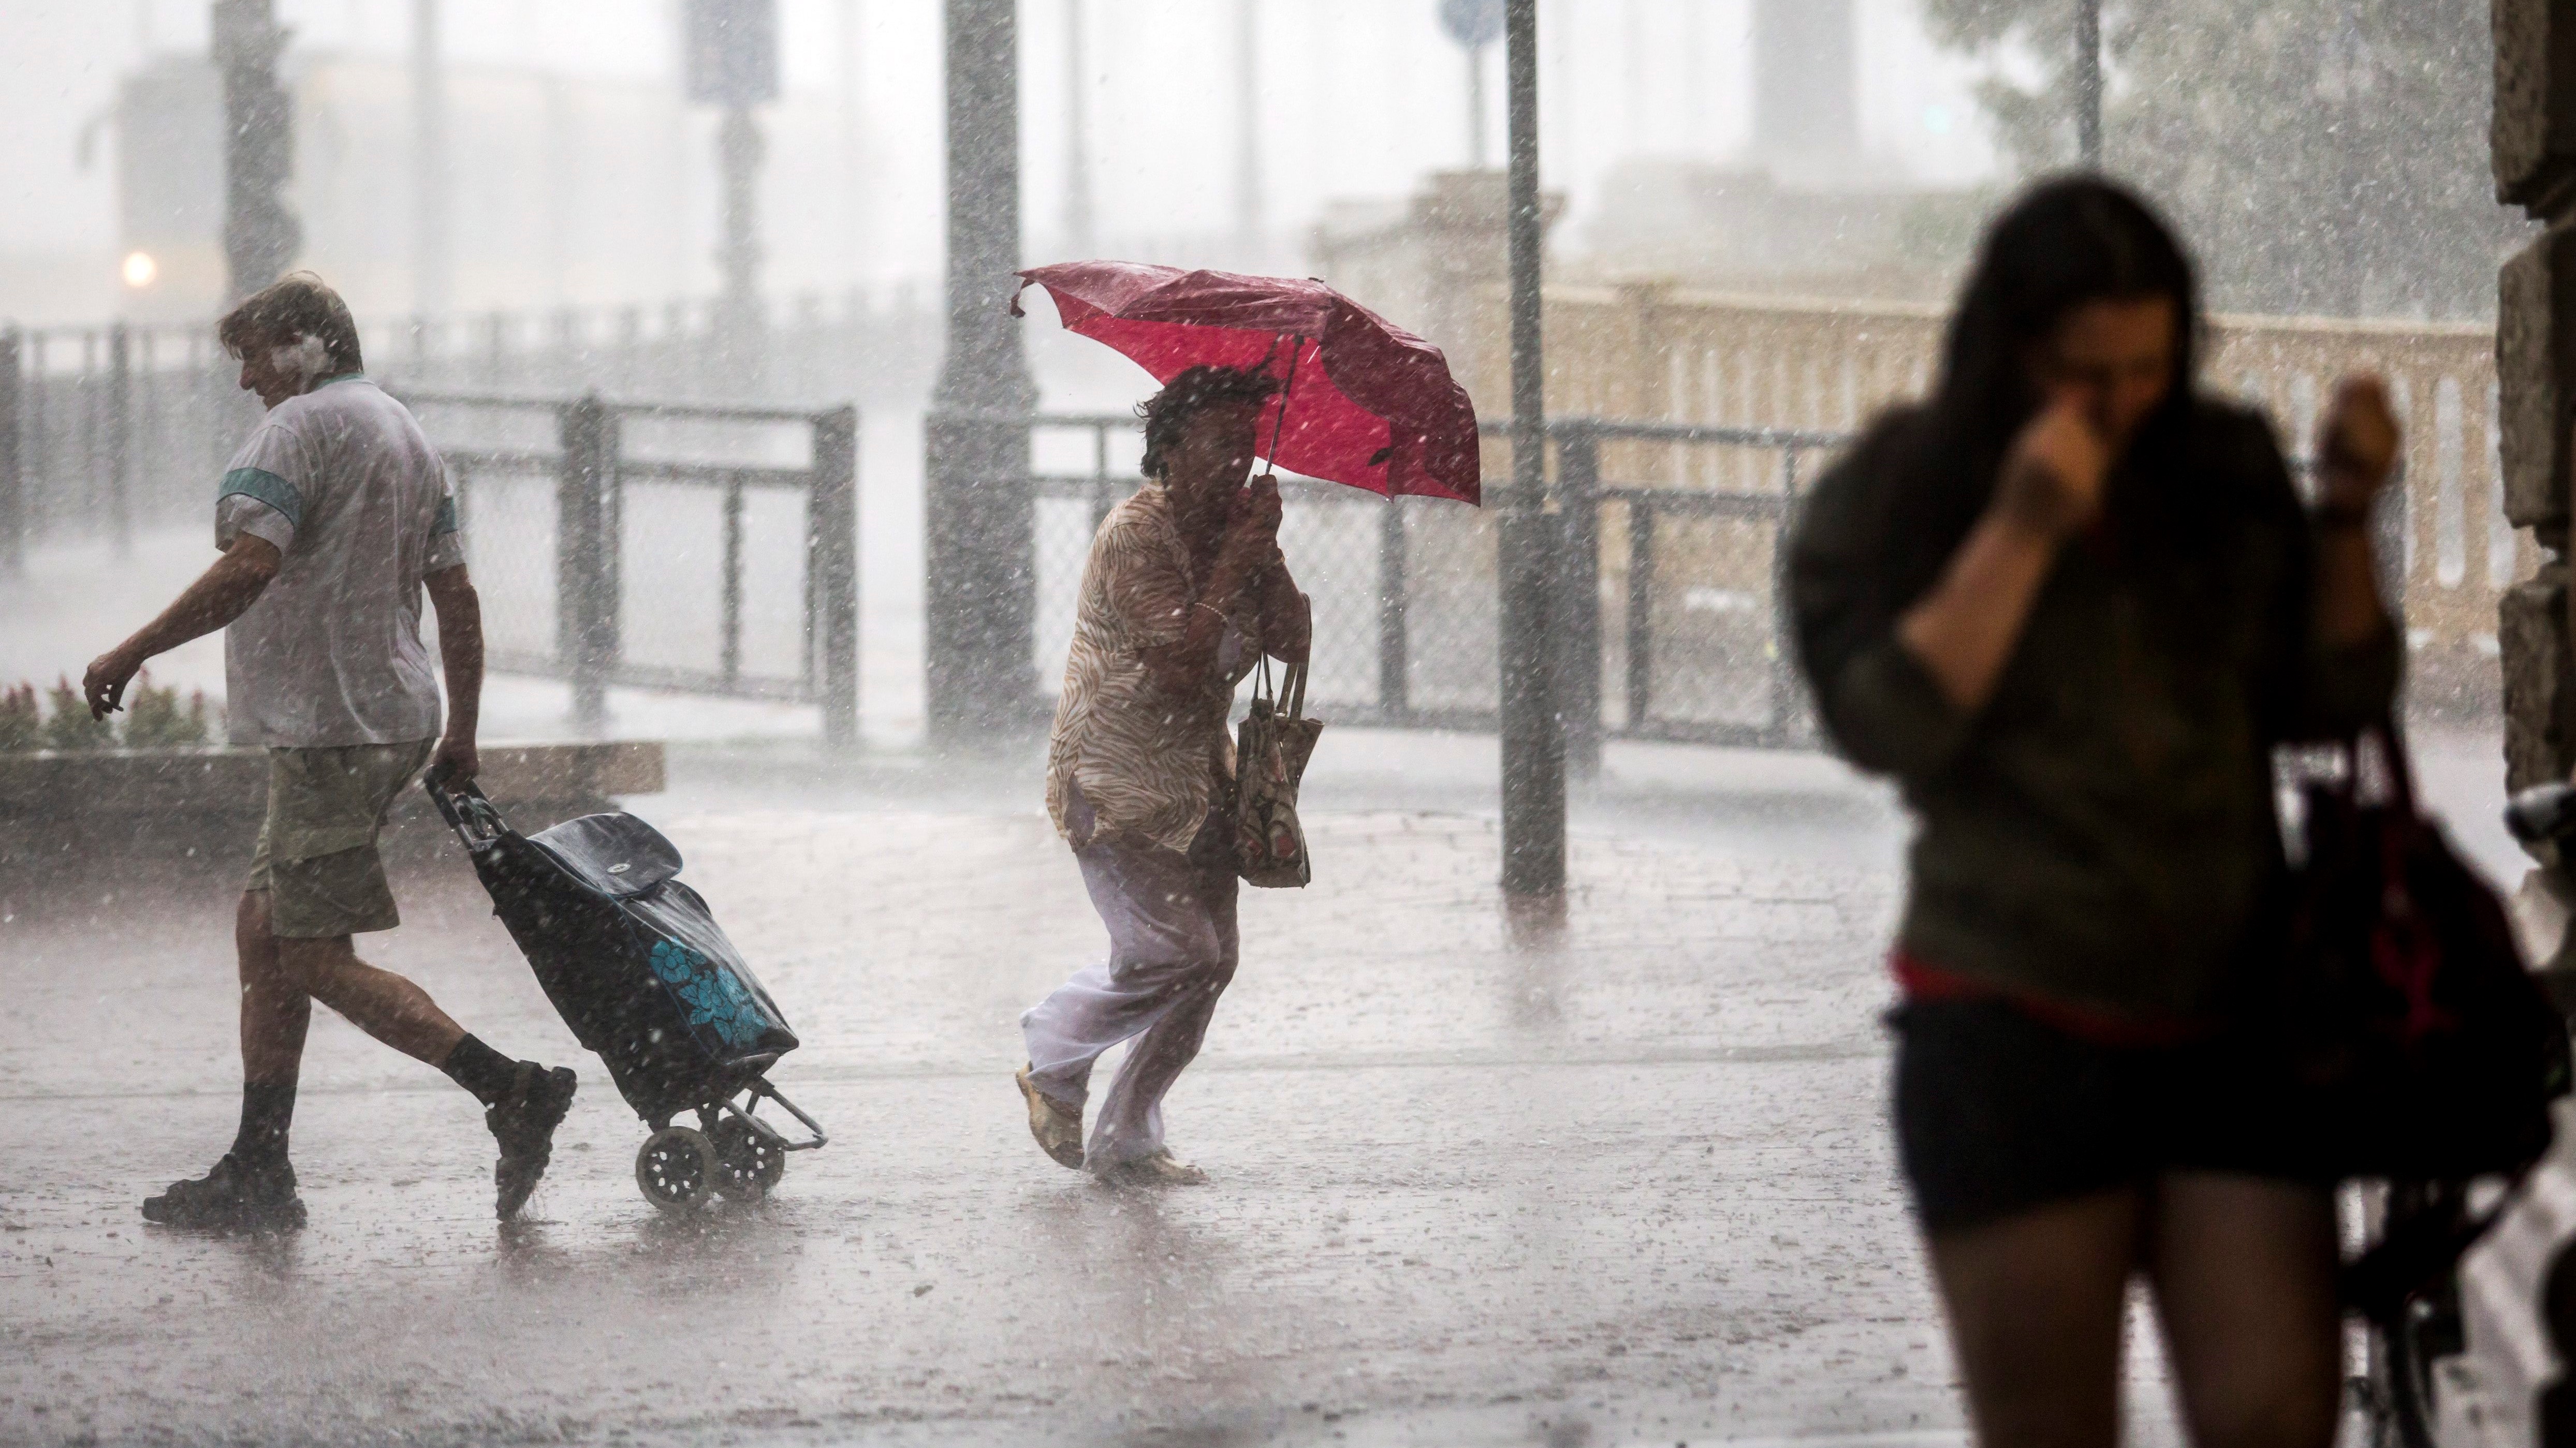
1533 733
261 236
981 589
732 51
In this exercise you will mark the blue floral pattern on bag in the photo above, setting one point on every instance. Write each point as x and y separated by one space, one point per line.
712 995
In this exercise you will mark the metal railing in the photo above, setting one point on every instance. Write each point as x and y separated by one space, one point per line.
1670 620
106 429
584 547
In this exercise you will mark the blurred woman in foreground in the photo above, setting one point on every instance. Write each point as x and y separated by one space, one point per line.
2071 603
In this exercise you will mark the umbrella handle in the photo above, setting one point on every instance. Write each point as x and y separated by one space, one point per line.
1296 351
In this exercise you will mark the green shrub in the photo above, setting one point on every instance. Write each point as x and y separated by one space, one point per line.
22 720
71 727
154 720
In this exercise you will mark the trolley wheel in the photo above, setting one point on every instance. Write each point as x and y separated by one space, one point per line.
676 1168
748 1161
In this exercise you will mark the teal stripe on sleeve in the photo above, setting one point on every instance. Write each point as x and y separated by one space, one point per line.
445 522
268 488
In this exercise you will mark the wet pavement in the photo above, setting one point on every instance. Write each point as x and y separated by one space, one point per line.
1626 1181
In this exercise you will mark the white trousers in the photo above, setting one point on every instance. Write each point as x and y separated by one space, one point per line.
1171 954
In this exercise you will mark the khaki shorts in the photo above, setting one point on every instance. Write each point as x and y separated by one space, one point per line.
317 847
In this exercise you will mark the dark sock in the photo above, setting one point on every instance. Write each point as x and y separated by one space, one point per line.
267 1111
480 1069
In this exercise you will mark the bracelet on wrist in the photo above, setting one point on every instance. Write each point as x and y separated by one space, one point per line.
1212 608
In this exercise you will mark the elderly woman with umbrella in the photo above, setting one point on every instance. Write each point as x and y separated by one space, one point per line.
1184 592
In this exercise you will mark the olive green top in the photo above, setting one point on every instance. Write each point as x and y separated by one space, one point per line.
2103 832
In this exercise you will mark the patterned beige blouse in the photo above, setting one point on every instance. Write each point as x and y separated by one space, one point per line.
1147 762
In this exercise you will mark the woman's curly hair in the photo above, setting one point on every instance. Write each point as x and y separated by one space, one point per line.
1192 392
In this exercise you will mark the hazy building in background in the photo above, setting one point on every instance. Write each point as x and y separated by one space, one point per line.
1804 208
566 191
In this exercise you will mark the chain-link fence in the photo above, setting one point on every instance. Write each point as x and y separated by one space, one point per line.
1669 622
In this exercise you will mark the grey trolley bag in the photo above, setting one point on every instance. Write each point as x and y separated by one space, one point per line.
641 972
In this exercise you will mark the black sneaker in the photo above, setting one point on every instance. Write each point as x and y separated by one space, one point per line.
524 1123
231 1198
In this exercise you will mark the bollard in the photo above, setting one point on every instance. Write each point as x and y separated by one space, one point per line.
832 560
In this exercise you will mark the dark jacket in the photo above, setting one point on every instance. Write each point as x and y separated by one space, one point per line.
2102 832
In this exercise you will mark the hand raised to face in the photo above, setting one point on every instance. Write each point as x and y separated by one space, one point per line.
2052 478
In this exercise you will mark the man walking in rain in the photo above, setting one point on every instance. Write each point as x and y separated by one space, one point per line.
332 520
1184 591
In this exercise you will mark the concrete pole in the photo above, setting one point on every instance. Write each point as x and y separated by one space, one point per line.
2088 83
432 267
981 589
261 237
1533 733
1247 120
1078 225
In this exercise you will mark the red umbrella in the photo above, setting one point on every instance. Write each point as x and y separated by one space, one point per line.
1367 403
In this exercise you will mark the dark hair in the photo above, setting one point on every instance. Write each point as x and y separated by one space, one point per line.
2064 243
298 304
1193 392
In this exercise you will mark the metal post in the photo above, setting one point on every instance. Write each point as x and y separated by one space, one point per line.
1578 597
261 236
1788 716
1533 734
1394 635
1641 612
739 150
729 655
2088 83
13 471
834 567
120 438
586 566
980 518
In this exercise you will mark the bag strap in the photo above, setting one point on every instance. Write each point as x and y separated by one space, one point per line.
1296 690
2393 757
2401 768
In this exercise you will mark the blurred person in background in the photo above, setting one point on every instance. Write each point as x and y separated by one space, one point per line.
333 520
2071 603
1184 591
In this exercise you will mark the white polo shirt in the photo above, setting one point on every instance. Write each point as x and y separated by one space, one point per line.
342 480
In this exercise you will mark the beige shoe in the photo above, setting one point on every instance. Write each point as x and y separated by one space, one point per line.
1059 1131
1161 1169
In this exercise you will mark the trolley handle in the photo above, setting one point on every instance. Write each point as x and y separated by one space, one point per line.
464 808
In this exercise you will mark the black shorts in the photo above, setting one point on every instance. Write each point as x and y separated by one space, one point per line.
1998 1112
